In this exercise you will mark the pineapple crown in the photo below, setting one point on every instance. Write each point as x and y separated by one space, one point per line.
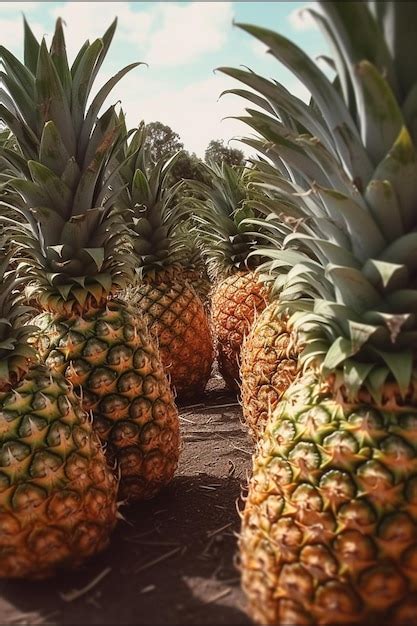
189 252
148 206
65 169
220 210
347 164
280 215
7 141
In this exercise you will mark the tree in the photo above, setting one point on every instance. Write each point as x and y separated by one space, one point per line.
162 140
217 152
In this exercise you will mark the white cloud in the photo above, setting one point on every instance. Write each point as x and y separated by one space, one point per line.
298 89
167 34
82 21
258 47
23 6
12 32
301 20
88 20
194 112
189 31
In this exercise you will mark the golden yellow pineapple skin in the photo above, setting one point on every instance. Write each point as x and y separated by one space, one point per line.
110 356
269 364
178 322
329 530
236 302
57 494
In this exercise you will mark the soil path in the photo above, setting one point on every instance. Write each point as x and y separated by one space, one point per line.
172 561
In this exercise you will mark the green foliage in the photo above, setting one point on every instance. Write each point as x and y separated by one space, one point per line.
161 141
344 167
217 152
61 168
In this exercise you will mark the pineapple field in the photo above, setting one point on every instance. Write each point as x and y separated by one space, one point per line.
207 402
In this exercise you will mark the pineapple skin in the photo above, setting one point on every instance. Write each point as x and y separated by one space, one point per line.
269 364
236 302
329 530
177 320
57 494
109 355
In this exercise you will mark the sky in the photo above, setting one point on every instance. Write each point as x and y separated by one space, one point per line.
182 44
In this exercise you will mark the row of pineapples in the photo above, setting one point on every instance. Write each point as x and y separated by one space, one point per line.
329 369
329 532
82 208
95 242
87 414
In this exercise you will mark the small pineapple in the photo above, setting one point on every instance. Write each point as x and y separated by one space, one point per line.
57 494
167 301
269 358
236 301
78 254
269 364
220 210
330 523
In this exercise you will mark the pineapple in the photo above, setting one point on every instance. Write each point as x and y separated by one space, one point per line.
78 254
269 364
220 211
330 523
167 301
269 357
57 494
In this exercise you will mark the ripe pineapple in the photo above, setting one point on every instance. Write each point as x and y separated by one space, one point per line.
57 494
269 357
167 301
330 523
219 210
78 254
269 364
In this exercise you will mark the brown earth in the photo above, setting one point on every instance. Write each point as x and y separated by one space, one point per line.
172 560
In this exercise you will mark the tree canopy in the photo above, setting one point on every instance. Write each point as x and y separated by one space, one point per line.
217 152
162 140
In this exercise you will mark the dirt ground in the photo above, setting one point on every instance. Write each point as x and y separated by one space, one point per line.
172 560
